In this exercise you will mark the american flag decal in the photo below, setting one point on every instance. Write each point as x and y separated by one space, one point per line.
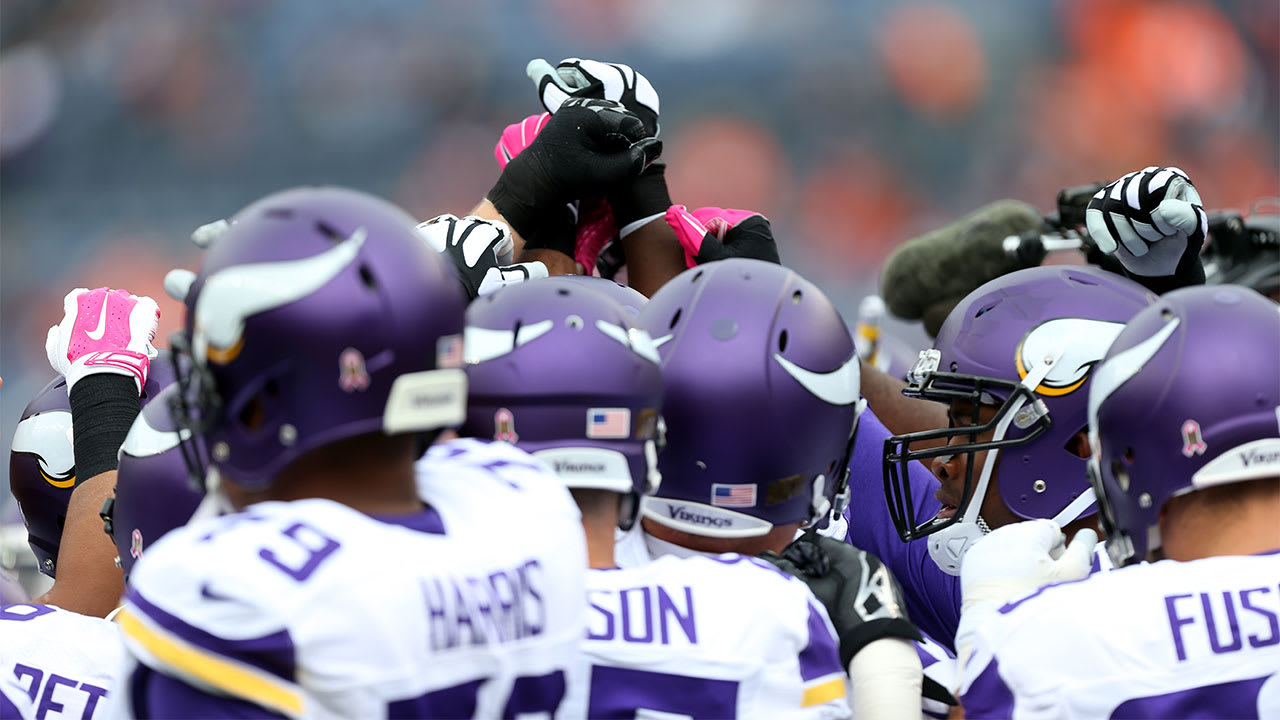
609 423
449 352
733 495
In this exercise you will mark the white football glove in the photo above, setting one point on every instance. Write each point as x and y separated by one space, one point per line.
1015 560
481 250
575 77
1149 219
103 331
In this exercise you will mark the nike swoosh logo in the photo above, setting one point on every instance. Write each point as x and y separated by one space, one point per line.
208 592
841 386
96 333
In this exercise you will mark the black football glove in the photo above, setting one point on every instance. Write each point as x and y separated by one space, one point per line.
587 146
861 596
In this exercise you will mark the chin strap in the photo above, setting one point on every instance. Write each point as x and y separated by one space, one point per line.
948 546
1075 508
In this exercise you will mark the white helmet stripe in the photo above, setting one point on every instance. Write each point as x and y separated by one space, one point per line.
231 296
841 386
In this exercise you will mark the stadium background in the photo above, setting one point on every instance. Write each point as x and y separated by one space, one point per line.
853 126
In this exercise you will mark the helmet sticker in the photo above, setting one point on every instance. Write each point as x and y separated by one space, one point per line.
723 495
1192 442
504 426
1082 341
352 375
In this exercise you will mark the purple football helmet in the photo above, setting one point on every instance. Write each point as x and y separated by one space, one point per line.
319 315
1026 344
762 395
42 471
153 491
631 300
555 368
1187 398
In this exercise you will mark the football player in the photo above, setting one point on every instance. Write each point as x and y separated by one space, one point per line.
68 662
556 368
325 339
46 480
1184 418
1012 363
761 399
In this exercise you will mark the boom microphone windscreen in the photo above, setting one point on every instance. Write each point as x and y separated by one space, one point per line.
942 266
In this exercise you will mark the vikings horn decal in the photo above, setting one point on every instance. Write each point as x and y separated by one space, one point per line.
1084 342
47 435
233 295
144 440
484 344
841 386
638 340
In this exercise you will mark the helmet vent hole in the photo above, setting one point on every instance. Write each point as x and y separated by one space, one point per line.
515 332
795 297
1081 280
782 341
696 276
986 309
675 319
329 231
563 291
366 277
280 213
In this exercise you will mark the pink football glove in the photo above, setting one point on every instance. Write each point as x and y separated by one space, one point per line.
517 137
103 331
713 233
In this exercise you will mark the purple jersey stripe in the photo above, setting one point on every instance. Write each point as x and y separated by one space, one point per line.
931 595
1011 605
820 657
160 696
273 653
1238 699
988 696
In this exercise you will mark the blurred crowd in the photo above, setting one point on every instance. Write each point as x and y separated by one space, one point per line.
853 126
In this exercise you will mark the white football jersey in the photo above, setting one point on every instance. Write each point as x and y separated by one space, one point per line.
311 609
1160 640
14 702
66 663
705 637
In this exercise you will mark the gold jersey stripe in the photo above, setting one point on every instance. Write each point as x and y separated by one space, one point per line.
824 693
225 675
